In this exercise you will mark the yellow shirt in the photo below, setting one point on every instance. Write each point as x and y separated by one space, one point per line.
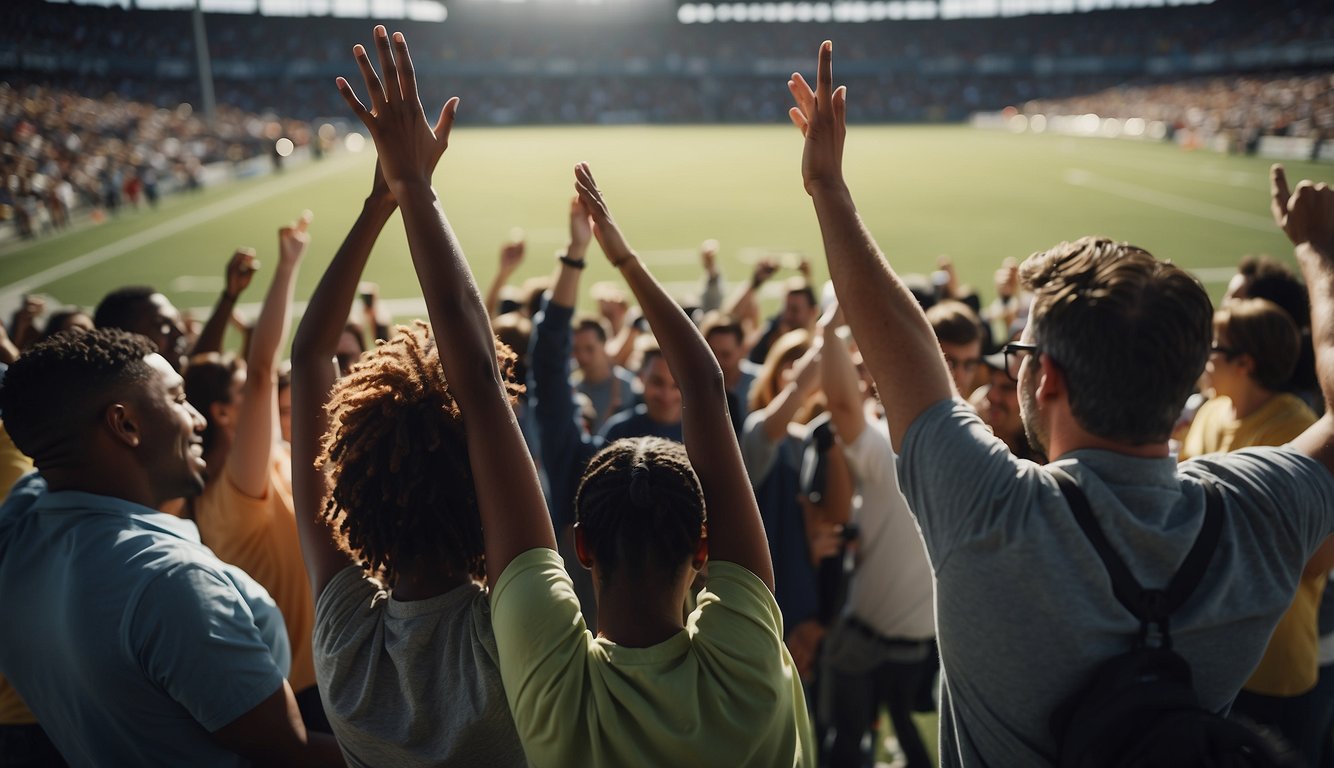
259 536
1214 430
1291 661
721 692
13 465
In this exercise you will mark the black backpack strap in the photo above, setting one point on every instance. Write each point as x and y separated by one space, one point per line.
1150 606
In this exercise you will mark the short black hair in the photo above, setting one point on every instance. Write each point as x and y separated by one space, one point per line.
60 386
118 308
640 507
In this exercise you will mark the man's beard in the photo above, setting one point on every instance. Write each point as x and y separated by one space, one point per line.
1028 414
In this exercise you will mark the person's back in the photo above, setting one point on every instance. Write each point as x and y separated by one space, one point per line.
1023 603
105 629
721 692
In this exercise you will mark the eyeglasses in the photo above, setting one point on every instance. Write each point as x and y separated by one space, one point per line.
1015 352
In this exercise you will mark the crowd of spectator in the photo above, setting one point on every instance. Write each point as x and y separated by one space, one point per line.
1242 107
671 532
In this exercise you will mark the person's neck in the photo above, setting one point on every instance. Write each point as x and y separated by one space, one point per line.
636 616
107 482
422 586
1076 438
1250 400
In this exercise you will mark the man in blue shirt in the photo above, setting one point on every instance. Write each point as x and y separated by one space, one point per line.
133 643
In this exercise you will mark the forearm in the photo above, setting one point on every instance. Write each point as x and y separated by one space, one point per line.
498 284
892 331
783 408
322 324
842 389
453 303
274 321
692 363
565 288
1319 276
210 338
711 297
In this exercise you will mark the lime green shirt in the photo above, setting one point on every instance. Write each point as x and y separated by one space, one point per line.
723 692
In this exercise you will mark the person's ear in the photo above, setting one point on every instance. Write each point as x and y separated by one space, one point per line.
1051 379
581 549
1246 363
701 556
121 420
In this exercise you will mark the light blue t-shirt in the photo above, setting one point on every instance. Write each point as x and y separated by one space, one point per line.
130 640
1024 606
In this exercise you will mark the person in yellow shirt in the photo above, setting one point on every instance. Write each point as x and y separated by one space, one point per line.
1256 346
245 514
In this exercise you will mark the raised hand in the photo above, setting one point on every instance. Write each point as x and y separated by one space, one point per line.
512 253
408 146
821 115
241 268
763 270
581 228
708 257
1305 215
604 228
293 239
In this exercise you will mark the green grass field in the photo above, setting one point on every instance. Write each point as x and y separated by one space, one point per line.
923 191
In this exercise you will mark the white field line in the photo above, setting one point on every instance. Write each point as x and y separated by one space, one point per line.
415 306
1078 177
10 294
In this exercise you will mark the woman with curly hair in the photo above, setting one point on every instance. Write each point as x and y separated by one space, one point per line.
403 644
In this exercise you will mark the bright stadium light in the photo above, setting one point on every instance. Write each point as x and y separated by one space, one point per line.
284 147
687 14
354 142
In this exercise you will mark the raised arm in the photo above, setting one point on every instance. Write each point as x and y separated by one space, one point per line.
314 371
735 531
895 339
711 297
1306 215
805 381
511 257
241 268
513 512
842 386
251 452
570 265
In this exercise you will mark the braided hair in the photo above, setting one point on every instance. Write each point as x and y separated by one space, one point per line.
640 507
402 493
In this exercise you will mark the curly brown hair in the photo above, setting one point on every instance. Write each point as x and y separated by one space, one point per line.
402 494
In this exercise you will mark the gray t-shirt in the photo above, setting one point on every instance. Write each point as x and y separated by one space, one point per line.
412 683
1024 607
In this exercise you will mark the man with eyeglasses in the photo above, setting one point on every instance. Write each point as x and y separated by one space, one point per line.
960 335
1114 343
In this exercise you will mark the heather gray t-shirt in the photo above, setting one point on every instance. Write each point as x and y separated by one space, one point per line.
1024 607
412 683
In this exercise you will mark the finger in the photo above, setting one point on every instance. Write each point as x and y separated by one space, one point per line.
303 223
445 123
824 75
798 119
373 85
387 65
802 93
1278 190
358 108
407 76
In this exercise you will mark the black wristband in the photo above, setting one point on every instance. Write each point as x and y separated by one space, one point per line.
572 263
